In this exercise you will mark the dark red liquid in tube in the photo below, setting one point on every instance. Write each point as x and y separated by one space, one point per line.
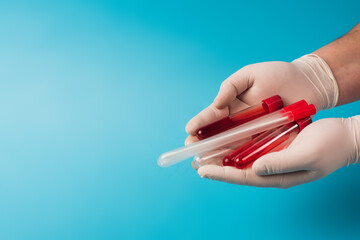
266 106
258 147
246 148
243 160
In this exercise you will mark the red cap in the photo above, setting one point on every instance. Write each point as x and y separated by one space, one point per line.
303 112
273 103
302 123
298 104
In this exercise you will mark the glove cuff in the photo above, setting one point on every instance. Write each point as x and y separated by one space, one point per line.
354 125
319 74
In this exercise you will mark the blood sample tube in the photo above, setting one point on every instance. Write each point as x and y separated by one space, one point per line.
264 123
216 156
266 106
275 141
228 159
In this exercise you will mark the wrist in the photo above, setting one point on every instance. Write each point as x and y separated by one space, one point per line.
321 80
353 126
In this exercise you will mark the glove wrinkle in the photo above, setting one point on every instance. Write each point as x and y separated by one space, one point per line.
319 74
354 126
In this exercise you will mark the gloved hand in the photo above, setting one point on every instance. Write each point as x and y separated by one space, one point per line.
321 148
308 77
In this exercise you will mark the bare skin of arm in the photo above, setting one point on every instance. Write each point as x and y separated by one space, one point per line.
343 57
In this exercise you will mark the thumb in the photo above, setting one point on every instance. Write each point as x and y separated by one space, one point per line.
285 161
233 86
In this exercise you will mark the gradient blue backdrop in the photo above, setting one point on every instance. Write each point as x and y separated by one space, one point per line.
91 92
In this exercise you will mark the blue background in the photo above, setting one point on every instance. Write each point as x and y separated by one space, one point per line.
91 92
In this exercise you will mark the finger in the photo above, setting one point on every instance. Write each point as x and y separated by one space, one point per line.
205 117
194 166
250 178
212 114
288 160
191 139
232 87
214 157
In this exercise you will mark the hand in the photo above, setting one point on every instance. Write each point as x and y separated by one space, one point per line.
320 149
306 78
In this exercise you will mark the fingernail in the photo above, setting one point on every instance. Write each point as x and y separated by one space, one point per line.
202 175
208 172
207 177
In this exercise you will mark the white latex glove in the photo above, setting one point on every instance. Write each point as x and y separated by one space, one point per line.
320 149
308 77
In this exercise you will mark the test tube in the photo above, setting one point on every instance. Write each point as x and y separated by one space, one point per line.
216 156
226 154
213 157
228 160
275 141
264 123
266 106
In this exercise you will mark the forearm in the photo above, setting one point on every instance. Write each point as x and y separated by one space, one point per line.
343 57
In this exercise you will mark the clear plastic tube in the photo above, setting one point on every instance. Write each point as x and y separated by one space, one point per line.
235 134
213 157
217 155
268 105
